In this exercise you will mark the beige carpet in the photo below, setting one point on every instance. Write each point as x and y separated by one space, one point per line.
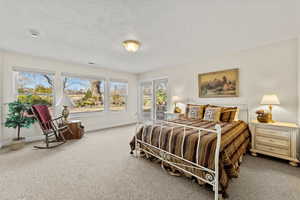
99 167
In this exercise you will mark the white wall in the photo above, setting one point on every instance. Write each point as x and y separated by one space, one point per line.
298 83
263 70
91 121
1 95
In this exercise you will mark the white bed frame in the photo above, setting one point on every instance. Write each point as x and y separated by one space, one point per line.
211 176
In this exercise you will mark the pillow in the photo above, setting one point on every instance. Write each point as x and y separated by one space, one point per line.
212 114
195 111
228 114
236 116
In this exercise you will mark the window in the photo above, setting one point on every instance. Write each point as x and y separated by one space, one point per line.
118 95
35 87
161 97
85 94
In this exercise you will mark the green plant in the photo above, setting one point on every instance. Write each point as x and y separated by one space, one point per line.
35 99
16 117
88 95
161 97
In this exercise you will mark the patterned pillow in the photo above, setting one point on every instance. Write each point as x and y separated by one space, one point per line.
195 111
212 114
228 114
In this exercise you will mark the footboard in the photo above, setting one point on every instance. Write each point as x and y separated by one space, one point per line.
211 176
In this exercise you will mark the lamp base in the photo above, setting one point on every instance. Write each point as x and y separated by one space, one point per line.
177 110
65 113
269 118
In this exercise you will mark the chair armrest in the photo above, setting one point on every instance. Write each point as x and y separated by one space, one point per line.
57 118
58 121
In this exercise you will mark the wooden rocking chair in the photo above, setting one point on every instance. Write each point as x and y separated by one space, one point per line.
51 127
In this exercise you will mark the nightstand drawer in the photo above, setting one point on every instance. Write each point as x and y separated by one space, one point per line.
273 132
273 141
273 150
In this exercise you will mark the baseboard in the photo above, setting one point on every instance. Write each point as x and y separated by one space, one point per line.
41 137
27 140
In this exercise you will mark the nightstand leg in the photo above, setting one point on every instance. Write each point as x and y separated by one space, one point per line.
294 164
254 154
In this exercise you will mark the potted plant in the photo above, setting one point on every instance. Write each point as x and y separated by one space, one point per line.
18 118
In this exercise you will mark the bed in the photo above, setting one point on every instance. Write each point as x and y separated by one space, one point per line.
206 151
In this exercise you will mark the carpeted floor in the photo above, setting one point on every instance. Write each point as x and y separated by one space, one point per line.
99 166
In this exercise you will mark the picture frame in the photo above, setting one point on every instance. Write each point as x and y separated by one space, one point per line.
219 84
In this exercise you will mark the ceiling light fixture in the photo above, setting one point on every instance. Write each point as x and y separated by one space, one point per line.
91 63
131 45
34 33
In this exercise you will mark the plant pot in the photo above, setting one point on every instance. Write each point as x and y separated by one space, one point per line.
17 144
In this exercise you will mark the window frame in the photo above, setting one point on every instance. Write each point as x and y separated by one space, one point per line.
86 77
16 70
126 97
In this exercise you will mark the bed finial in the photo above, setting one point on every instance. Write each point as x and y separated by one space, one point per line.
218 127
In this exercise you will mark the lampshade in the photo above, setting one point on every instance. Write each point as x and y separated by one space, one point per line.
176 99
270 99
65 101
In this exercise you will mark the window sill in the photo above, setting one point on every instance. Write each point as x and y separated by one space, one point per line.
117 111
86 114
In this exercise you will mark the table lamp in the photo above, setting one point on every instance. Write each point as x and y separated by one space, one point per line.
67 103
270 99
176 99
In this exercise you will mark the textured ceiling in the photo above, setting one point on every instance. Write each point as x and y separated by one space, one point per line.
172 32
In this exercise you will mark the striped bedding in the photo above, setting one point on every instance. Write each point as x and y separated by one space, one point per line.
234 144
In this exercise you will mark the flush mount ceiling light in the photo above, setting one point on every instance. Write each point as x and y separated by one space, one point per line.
91 63
131 45
34 33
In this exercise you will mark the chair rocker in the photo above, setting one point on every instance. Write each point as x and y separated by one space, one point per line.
53 129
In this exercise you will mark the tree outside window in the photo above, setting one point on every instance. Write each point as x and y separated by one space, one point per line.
87 95
118 95
35 88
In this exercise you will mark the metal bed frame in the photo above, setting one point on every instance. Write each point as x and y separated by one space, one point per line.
211 176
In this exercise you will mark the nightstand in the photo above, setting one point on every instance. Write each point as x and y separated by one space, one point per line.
278 139
172 116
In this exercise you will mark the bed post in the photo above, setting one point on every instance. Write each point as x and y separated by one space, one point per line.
217 154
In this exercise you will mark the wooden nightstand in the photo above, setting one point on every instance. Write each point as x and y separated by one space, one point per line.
172 116
278 139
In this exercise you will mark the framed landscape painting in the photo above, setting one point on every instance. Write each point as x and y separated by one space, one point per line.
219 84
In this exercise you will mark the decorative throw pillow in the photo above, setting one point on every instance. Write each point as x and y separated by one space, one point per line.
228 114
212 114
187 109
195 111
